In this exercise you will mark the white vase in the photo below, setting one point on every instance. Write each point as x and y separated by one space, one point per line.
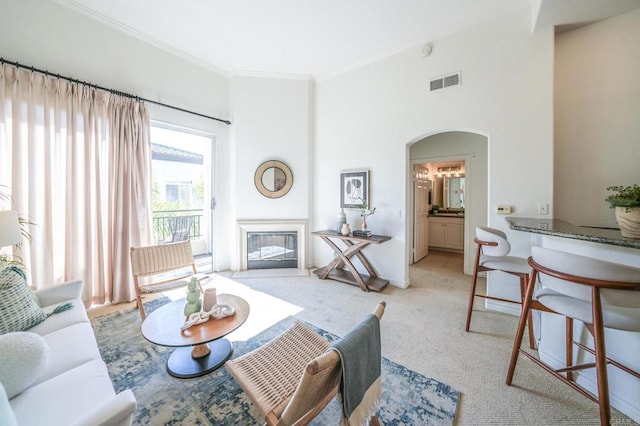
346 229
629 221
210 299
342 219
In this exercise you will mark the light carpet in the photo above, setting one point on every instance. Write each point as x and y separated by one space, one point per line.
408 398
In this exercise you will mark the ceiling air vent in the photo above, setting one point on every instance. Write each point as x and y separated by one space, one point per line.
445 81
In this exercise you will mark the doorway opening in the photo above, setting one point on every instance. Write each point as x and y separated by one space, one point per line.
182 173
439 207
461 200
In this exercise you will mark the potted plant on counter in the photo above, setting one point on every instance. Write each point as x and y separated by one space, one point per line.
626 201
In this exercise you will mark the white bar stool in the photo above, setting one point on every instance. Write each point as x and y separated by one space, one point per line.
492 255
598 293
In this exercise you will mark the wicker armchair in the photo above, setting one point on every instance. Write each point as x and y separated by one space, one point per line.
160 268
292 378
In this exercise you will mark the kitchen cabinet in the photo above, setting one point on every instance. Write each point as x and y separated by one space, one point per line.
446 232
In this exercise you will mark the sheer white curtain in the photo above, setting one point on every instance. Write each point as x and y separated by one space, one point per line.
77 162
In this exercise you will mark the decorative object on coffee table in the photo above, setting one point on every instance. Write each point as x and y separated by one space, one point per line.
194 303
209 299
216 312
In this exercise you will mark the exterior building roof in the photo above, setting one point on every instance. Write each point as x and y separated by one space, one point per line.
169 153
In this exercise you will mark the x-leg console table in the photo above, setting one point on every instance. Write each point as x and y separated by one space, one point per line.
352 247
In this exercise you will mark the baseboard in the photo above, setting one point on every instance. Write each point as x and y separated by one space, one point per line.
504 307
616 400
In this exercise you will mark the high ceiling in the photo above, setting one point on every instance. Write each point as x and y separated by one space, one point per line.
313 38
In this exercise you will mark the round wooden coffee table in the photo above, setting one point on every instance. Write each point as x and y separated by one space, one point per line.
200 349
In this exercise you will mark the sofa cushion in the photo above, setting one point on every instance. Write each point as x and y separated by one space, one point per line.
6 412
24 358
76 315
18 309
69 347
64 398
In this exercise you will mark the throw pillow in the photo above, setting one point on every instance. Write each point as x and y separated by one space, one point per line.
7 417
18 310
24 358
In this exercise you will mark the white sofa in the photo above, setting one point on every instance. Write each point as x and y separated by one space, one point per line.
74 388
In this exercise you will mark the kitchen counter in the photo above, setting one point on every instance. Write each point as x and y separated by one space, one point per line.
461 215
560 228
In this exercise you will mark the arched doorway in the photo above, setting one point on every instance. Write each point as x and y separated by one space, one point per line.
454 147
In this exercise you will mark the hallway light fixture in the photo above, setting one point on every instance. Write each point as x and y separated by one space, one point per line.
449 171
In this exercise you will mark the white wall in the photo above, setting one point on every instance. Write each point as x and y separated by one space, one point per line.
273 121
597 101
366 117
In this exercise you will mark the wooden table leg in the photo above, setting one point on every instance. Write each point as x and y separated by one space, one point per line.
199 351
343 259
364 260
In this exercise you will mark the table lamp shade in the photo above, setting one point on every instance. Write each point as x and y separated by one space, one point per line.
9 228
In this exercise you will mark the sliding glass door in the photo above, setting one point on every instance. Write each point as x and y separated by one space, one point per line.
182 189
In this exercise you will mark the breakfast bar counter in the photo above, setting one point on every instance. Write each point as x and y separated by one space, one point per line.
560 228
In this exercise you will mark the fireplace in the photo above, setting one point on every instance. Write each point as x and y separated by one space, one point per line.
267 244
270 250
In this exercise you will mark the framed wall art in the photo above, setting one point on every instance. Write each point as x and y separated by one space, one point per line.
354 189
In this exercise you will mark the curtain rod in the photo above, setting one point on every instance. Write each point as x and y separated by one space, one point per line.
115 92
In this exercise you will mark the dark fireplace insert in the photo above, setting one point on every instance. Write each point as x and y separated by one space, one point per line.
270 250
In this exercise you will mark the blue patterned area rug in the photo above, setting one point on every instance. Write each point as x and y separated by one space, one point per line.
408 398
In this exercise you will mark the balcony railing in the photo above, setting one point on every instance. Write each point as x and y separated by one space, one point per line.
167 222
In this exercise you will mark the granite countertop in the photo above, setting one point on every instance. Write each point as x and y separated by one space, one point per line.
560 228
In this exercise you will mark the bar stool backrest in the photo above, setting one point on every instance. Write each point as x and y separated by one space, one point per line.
586 269
492 235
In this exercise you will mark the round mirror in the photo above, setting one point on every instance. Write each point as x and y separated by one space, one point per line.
273 179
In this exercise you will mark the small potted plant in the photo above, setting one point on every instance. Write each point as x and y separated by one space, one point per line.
365 213
626 201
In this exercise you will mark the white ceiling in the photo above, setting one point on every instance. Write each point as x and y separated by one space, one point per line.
310 37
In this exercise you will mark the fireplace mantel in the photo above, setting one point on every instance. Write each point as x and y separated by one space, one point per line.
270 225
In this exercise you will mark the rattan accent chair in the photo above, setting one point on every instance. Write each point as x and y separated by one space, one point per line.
292 378
160 268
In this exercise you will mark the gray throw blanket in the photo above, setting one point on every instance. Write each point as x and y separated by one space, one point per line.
361 387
